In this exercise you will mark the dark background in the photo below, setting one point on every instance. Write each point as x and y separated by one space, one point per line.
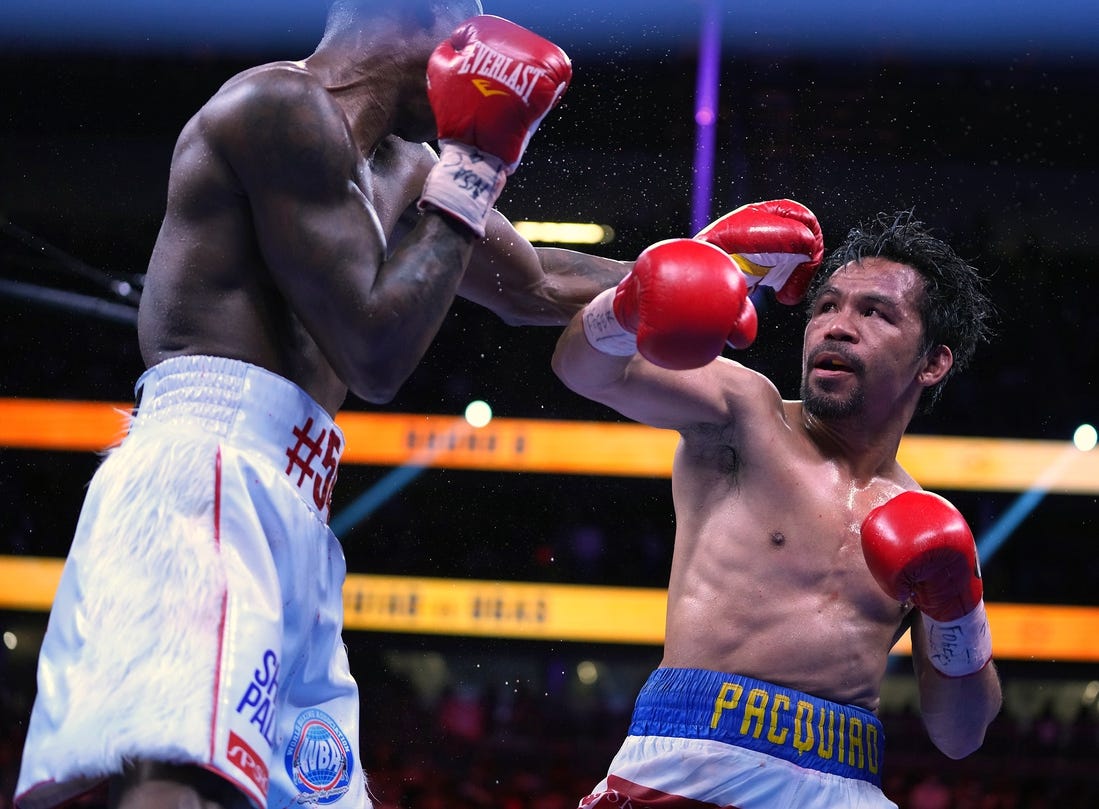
982 120
986 133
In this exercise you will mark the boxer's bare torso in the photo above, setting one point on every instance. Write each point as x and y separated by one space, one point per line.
771 571
210 288
248 249
768 578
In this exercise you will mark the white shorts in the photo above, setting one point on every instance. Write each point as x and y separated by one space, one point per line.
706 740
199 615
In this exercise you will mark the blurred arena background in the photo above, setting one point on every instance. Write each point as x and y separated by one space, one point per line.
978 115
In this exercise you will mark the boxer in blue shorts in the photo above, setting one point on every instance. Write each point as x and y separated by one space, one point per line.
702 738
311 246
803 549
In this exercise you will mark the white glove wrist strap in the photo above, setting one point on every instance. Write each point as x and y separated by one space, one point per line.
603 330
768 269
465 183
960 647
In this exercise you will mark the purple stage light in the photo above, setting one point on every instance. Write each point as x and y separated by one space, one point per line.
709 62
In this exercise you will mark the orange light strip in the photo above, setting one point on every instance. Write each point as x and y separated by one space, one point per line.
389 439
569 612
62 425
571 447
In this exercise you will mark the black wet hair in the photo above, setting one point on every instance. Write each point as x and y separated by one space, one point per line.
956 310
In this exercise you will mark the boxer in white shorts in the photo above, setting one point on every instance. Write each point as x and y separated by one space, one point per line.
169 640
310 229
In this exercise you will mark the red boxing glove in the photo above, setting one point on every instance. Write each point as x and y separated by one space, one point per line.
490 84
777 244
678 306
919 547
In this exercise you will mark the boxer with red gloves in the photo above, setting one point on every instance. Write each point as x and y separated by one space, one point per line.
801 543
490 83
919 548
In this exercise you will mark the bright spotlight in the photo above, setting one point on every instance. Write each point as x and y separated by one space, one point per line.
587 672
10 640
478 413
1085 438
565 232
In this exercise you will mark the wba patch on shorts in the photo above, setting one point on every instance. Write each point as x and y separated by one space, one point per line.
319 759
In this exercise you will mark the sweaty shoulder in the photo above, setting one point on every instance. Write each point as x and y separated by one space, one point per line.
278 121
748 393
730 396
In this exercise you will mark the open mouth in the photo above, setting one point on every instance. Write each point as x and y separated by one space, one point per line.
830 361
831 364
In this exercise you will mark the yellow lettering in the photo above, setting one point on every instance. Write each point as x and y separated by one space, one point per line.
843 739
822 751
755 709
728 697
781 701
803 726
872 747
856 743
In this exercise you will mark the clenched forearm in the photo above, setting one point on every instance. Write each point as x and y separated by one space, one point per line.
572 279
529 286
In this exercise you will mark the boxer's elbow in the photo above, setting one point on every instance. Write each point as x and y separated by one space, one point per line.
376 396
960 733
376 382
581 369
374 391
564 366
957 747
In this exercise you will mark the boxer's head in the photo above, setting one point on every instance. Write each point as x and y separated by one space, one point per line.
443 15
362 37
955 309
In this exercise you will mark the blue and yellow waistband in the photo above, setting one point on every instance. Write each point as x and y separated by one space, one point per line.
810 732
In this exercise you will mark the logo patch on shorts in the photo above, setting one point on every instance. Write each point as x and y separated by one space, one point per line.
248 761
318 758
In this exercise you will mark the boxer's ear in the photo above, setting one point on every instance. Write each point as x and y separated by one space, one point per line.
936 365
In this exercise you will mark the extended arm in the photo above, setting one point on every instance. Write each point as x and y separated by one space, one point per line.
776 243
649 348
529 286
